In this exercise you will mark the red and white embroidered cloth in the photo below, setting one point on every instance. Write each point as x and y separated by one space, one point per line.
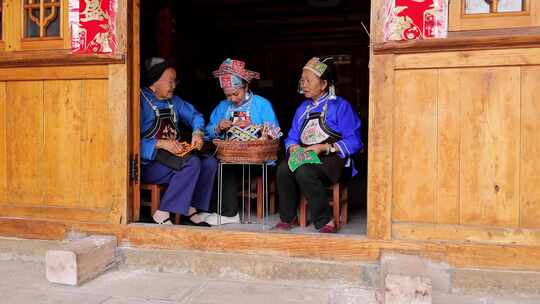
93 26
415 19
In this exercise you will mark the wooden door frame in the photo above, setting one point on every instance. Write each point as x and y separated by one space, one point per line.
134 113
379 169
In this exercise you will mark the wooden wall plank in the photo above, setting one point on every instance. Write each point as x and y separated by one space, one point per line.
381 103
62 100
489 185
3 147
484 58
118 106
448 137
24 127
96 150
122 22
530 148
464 233
52 73
377 21
415 141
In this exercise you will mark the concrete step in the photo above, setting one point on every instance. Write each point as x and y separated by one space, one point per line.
474 284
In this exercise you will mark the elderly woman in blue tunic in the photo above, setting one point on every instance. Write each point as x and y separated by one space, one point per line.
240 108
327 125
163 115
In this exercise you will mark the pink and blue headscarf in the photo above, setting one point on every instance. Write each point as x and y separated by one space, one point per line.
232 74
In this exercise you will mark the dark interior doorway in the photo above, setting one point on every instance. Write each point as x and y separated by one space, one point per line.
273 37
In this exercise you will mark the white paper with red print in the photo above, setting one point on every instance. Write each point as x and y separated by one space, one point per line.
415 19
93 26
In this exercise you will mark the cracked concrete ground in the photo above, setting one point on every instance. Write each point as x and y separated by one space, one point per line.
24 282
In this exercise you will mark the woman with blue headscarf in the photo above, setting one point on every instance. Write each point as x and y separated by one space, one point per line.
240 108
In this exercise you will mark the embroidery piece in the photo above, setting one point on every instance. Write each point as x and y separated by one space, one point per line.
187 149
415 19
300 157
93 26
251 132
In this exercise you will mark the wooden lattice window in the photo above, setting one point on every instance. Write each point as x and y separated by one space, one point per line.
494 6
42 18
493 14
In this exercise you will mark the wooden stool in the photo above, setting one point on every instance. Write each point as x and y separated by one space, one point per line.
271 196
339 203
155 197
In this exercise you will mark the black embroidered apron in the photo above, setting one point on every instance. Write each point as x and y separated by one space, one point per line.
164 127
316 131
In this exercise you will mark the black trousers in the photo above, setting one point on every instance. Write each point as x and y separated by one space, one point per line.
311 181
232 186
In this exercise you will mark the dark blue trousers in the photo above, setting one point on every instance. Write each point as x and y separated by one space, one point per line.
190 186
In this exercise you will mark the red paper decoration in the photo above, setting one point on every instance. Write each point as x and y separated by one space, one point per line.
416 19
93 26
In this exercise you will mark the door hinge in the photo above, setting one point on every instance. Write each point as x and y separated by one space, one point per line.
134 168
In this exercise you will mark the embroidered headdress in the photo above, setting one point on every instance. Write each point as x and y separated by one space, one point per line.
232 73
324 68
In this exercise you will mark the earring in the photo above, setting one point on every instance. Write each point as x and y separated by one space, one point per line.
332 92
300 88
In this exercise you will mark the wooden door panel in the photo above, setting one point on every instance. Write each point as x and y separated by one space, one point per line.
62 100
96 147
24 136
448 136
530 149
414 155
489 148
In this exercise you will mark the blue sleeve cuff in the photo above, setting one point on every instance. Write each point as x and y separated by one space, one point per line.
343 149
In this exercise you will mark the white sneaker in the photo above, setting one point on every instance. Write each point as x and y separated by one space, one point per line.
212 219
200 217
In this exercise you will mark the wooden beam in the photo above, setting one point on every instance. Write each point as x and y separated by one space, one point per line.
337 248
55 58
55 213
499 39
380 146
32 229
462 233
80 260
50 73
468 59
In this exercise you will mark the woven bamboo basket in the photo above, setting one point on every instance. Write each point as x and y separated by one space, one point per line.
252 151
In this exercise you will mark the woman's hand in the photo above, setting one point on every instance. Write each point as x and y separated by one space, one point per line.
170 145
242 123
318 148
223 125
293 148
197 141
